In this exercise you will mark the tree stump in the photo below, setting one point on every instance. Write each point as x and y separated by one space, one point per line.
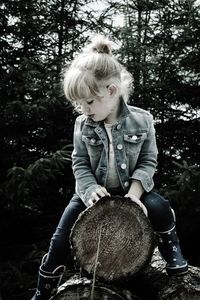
113 239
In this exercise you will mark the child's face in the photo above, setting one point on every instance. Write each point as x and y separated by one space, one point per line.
103 108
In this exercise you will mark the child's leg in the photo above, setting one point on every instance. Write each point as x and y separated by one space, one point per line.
159 211
59 249
162 219
53 263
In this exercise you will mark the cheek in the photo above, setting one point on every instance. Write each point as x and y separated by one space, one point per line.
83 110
111 105
99 108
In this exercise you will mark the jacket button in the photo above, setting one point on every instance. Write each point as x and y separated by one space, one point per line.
123 166
126 183
119 126
119 146
134 137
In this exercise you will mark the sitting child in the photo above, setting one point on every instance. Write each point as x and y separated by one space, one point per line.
114 153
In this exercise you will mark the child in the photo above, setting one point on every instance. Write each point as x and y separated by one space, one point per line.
114 153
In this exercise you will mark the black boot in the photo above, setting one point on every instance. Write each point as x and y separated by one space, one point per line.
48 282
168 245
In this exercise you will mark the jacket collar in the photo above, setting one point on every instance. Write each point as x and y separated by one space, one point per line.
124 112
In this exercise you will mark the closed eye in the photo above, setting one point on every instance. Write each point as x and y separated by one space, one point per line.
90 102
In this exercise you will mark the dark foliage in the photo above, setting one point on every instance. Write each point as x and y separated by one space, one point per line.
160 47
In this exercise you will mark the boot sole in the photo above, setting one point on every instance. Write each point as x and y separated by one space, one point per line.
177 271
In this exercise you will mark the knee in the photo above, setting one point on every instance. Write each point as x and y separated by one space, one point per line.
156 203
159 211
76 204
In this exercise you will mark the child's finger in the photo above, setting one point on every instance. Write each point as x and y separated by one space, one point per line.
90 202
94 196
105 192
101 192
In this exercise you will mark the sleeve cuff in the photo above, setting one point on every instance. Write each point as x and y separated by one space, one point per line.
146 181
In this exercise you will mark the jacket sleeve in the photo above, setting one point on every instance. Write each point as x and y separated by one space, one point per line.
85 180
147 161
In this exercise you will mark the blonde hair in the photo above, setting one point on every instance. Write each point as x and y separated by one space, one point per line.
94 68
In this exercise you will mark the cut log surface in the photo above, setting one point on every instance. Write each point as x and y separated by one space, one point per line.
113 239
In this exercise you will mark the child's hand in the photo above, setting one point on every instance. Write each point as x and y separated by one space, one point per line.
99 193
137 201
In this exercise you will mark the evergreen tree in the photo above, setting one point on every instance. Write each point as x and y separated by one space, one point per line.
161 50
36 121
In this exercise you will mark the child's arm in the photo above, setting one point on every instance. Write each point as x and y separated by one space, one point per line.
147 161
135 192
142 177
136 189
87 186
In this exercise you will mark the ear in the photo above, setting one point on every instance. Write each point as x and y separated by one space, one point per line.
112 90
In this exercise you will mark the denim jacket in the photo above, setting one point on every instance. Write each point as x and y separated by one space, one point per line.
134 145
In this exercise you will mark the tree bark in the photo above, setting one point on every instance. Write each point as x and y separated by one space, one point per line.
84 288
183 287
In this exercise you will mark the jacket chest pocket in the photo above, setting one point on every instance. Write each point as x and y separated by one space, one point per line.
94 146
134 142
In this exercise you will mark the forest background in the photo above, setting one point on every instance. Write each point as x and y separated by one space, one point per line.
158 41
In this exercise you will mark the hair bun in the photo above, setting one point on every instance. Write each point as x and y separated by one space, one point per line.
100 44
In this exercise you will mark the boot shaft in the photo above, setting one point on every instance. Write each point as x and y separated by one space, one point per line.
169 247
48 282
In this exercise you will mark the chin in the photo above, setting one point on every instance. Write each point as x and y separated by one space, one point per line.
96 119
